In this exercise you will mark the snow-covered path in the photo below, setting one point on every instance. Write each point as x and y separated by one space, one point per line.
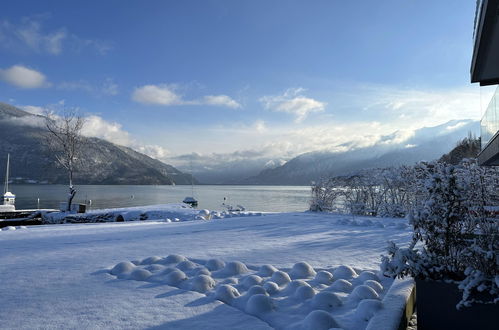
52 276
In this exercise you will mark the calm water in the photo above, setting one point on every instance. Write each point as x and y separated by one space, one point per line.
253 198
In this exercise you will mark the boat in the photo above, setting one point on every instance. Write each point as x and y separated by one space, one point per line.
9 199
191 201
9 216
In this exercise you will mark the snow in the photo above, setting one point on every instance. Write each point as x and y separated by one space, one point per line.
163 212
326 301
394 303
284 271
364 292
344 272
302 270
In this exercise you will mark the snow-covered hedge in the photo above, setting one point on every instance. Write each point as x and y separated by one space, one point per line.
385 192
388 192
456 232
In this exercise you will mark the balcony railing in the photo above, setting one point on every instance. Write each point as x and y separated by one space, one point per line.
489 125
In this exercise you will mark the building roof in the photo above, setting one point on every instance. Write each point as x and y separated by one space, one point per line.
485 61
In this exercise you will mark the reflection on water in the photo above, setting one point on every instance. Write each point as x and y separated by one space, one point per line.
253 198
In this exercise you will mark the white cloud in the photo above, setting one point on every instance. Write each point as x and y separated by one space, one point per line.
96 126
157 95
31 35
455 126
153 151
75 85
418 108
260 126
23 77
108 87
100 46
222 100
35 110
166 95
291 101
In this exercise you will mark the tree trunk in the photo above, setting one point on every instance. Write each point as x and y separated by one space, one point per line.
71 195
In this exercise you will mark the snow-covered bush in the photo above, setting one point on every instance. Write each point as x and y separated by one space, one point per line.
456 233
325 195
387 192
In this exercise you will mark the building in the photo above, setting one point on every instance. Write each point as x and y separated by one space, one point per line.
485 70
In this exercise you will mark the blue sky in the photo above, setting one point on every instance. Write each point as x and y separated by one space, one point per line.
262 78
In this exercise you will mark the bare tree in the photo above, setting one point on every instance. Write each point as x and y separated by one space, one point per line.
64 141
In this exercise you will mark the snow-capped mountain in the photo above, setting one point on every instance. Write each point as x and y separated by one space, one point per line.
427 143
104 162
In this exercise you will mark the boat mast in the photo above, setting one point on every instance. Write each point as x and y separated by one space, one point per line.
192 182
6 185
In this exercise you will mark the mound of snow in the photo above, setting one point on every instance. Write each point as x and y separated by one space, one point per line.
202 283
226 293
140 275
256 289
230 280
122 267
154 268
374 285
175 277
324 277
151 260
326 301
344 272
319 320
174 259
234 268
9 228
367 308
215 264
294 285
267 270
186 265
202 271
303 293
251 280
341 285
167 270
205 214
259 304
367 275
302 270
280 278
271 287
362 292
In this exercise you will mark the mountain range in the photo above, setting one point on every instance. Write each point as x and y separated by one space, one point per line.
427 143
21 135
103 162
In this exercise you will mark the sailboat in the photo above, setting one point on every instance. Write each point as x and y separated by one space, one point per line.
190 199
9 198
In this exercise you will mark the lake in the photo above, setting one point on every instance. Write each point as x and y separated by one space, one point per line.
253 198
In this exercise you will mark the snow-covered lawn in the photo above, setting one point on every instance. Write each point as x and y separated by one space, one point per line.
64 276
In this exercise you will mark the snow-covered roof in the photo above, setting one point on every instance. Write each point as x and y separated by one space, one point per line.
8 194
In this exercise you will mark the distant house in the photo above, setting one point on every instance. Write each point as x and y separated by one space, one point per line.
485 70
